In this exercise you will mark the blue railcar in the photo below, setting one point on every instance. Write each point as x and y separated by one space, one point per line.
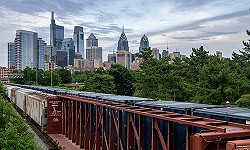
231 114
180 130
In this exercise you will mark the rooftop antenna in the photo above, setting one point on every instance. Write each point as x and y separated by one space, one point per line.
122 28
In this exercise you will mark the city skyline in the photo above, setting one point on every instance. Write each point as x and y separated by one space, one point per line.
217 25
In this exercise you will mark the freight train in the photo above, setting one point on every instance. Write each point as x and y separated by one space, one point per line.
33 101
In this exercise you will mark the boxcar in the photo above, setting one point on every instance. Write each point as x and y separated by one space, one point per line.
231 114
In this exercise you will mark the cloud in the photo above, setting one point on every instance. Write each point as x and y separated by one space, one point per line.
203 36
185 24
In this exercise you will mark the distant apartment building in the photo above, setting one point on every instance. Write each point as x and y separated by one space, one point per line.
164 53
5 74
26 53
40 55
156 53
81 63
144 43
177 55
135 65
98 63
112 57
56 34
49 66
107 64
11 54
79 40
68 46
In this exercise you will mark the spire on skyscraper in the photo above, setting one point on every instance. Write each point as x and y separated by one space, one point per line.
144 43
123 42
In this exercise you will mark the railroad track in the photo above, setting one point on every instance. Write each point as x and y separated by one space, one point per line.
44 138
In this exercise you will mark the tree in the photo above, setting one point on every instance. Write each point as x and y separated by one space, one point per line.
65 76
243 59
123 79
244 101
55 78
102 83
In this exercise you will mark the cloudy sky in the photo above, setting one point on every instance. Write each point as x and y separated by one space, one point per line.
185 24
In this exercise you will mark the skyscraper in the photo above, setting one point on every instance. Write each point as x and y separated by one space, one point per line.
47 53
123 42
61 58
41 44
56 33
93 53
11 54
144 43
123 56
68 46
92 50
91 41
26 49
79 40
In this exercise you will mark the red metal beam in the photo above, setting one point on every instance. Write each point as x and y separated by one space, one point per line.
93 131
205 123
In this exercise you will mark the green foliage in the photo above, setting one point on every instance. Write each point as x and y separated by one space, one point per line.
244 101
97 81
65 76
3 93
55 78
123 79
13 131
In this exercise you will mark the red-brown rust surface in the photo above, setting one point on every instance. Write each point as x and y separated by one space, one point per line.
64 142
238 145
54 115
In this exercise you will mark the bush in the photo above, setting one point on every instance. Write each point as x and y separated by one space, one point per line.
13 130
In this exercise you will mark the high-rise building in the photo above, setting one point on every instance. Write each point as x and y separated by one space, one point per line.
155 53
11 54
123 42
91 41
123 58
78 56
112 57
47 53
144 43
26 49
41 44
92 49
68 46
164 53
61 58
56 33
93 53
79 40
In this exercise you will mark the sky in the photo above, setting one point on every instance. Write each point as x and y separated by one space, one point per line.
218 25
